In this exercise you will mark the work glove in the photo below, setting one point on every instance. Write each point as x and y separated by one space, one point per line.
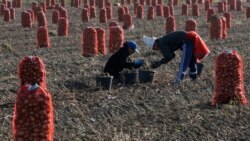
156 64
199 68
138 63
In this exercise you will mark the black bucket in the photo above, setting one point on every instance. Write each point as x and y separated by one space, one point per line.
130 78
146 76
105 82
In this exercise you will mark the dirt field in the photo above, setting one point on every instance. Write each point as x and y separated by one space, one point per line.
145 112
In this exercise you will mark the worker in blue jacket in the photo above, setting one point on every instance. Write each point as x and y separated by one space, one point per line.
120 60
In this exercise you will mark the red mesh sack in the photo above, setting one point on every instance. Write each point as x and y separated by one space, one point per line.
127 22
4 2
85 15
48 3
26 19
225 5
43 5
41 19
160 2
141 2
140 12
121 12
229 79
170 24
248 12
76 3
32 14
176 2
89 43
6 17
148 2
215 28
188 2
9 4
63 12
116 38
109 12
33 118
55 16
154 2
159 10
126 9
210 12
31 71
63 3
12 14
122 2
184 9
103 16
128 2
150 14
135 7
42 37
224 27
2 9
190 25
195 10
220 7
238 5
63 26
86 2
166 11
53 2
232 4
14 3
19 3
108 4
101 4
57 6
206 5
92 12
101 38
92 3
171 9
34 5
228 19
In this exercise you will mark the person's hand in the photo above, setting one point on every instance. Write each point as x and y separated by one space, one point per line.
138 63
155 64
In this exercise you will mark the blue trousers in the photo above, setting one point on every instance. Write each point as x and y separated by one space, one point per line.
187 61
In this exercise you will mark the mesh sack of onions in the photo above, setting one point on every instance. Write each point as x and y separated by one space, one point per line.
184 9
89 42
170 24
229 79
101 38
228 17
127 22
195 10
220 7
92 13
26 19
85 15
210 12
63 26
55 16
150 14
121 12
6 16
33 118
140 12
109 12
159 10
190 24
116 38
224 27
41 19
216 27
43 37
103 16
206 5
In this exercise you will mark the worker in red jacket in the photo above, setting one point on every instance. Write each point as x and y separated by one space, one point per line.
194 50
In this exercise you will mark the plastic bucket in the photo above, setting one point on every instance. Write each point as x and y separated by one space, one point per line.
146 76
104 82
130 78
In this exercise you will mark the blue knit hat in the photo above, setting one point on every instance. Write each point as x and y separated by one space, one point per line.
132 45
